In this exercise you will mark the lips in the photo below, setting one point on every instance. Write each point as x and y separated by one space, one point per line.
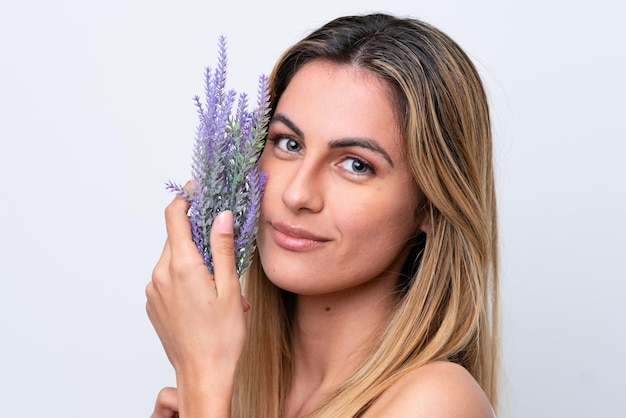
295 238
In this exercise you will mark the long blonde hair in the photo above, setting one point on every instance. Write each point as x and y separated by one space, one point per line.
449 303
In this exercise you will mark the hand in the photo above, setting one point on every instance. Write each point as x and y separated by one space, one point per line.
166 404
198 316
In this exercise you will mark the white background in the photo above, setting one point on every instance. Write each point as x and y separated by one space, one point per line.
96 114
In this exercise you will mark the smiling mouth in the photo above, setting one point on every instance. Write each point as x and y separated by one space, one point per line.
294 238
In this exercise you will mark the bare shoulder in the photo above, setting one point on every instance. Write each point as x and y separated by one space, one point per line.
436 390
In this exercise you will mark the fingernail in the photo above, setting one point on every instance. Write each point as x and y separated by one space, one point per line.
223 222
246 304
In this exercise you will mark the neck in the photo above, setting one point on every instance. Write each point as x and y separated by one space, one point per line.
333 334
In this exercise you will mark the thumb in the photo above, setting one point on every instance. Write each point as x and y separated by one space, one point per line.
166 404
223 249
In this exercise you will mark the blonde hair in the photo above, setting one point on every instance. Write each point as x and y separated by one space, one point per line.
449 303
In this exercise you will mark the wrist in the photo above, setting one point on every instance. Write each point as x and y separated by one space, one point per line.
202 395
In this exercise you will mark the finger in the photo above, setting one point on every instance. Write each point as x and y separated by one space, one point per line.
161 269
165 254
166 404
245 303
178 226
190 187
223 251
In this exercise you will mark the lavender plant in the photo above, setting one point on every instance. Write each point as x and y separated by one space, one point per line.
225 166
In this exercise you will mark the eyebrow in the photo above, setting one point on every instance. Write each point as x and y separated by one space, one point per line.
279 117
366 143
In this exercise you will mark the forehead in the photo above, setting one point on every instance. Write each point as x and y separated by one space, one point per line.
341 100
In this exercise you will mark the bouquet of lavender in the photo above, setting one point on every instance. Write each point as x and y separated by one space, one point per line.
225 166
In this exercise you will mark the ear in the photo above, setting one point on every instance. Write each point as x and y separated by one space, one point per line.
424 223
423 217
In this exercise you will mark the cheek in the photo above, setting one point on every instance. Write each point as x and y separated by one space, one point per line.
263 157
388 208
272 192
382 221
272 185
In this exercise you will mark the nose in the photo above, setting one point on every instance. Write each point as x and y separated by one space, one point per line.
304 191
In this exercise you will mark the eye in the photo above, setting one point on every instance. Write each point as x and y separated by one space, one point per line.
288 144
357 166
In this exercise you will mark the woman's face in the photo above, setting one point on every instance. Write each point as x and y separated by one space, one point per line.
339 204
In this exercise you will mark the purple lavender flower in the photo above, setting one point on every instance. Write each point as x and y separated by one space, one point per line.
225 164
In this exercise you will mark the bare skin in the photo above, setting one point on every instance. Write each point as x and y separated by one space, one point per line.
198 317
333 231
436 390
359 224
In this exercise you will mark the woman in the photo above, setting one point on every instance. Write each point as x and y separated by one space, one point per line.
374 287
